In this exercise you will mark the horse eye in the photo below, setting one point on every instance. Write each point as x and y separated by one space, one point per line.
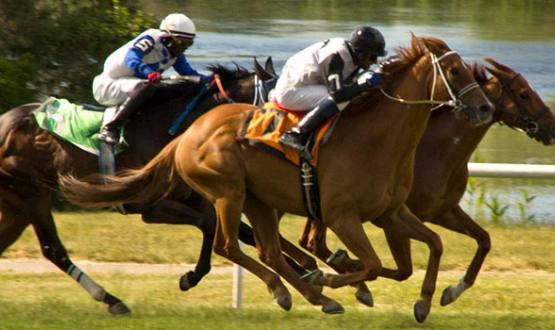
454 71
524 95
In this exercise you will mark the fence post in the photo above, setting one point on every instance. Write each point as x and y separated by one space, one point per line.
237 291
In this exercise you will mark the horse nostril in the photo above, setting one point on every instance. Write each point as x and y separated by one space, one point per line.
485 108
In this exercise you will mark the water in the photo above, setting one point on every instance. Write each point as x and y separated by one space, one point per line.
520 34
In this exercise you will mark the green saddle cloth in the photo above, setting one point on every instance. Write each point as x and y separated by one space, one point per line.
71 122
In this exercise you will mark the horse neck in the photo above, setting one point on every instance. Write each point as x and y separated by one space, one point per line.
449 141
380 117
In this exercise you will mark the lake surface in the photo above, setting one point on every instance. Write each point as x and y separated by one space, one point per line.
520 34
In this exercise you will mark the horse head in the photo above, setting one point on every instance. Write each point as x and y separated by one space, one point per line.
265 80
458 87
522 107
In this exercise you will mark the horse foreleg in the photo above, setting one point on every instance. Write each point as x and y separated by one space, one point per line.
457 220
408 225
53 249
172 212
313 239
349 230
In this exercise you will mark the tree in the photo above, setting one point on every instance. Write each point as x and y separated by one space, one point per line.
57 47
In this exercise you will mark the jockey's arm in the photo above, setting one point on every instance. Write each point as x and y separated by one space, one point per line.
134 57
185 69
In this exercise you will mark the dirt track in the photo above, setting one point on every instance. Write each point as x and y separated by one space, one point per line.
42 265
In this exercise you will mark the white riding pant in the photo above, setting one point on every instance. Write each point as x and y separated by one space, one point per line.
301 98
109 91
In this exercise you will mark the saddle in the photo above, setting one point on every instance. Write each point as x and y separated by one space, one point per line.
265 125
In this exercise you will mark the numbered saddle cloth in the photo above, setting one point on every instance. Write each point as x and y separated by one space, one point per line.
71 122
264 126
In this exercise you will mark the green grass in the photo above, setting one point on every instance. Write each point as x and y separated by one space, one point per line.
51 301
113 237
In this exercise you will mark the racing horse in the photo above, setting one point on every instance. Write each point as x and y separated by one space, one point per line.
377 134
31 160
441 172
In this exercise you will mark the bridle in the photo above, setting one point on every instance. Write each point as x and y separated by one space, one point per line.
454 102
530 123
261 89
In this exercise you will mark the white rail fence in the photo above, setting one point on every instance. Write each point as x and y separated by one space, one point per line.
488 170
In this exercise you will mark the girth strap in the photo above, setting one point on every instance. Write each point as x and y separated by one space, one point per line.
310 189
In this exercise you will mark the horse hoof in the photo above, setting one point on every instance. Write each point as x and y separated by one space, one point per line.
365 298
284 302
447 296
332 307
184 282
119 309
421 310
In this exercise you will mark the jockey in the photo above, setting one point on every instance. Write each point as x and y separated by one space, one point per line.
322 78
132 73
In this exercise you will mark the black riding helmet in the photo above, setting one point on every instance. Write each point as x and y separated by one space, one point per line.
368 41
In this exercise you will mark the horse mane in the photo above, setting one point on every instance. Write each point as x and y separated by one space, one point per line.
227 74
404 58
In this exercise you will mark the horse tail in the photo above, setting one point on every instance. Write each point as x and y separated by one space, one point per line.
146 185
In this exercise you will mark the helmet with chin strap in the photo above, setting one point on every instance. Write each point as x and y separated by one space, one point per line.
366 39
178 25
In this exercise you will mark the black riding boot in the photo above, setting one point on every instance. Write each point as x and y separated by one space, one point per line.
296 138
137 98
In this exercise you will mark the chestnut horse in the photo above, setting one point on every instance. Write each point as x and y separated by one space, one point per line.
441 174
31 160
375 134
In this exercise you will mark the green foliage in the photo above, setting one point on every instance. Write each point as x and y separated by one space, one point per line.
497 209
66 42
523 205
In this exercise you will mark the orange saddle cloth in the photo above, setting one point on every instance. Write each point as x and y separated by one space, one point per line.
264 126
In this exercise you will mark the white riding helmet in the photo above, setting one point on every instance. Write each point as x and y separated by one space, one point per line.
178 25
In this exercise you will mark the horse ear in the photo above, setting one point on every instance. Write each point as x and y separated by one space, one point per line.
260 71
499 66
269 66
499 70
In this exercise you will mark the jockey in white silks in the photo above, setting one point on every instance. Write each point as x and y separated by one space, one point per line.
322 79
132 73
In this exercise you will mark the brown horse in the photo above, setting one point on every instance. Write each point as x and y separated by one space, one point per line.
375 134
31 160
440 178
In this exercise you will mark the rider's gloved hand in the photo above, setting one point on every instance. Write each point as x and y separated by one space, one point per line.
154 77
375 80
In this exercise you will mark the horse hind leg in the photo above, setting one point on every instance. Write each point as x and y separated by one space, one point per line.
53 249
201 216
226 244
457 220
266 230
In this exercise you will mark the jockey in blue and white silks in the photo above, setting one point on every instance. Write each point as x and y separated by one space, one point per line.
322 76
132 73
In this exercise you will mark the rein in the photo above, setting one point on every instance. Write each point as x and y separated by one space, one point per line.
454 102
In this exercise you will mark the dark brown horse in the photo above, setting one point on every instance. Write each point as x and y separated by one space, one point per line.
441 174
31 160
375 135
